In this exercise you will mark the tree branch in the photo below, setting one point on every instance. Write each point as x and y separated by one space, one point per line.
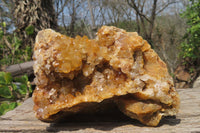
62 7
164 7
7 43
142 7
134 6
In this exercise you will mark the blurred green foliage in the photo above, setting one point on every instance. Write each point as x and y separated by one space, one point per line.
129 26
14 54
12 90
30 30
190 48
7 106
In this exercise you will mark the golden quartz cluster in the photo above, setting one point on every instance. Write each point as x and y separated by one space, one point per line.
74 74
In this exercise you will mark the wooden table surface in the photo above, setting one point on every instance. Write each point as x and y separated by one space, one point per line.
22 119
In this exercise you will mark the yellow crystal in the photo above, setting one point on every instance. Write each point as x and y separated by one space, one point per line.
72 73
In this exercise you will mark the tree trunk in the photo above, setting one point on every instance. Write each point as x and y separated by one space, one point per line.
32 16
91 14
152 21
138 23
73 19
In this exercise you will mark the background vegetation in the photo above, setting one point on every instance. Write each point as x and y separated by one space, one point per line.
190 47
172 27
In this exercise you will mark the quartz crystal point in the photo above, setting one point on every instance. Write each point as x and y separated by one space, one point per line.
77 74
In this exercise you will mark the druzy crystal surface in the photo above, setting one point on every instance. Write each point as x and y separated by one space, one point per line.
77 74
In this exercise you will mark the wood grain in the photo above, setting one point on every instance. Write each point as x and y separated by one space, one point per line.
188 120
21 69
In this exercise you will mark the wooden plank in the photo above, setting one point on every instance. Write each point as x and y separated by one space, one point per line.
188 120
21 69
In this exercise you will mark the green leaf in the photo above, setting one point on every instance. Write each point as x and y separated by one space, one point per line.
5 92
23 79
14 87
7 106
23 89
1 33
13 105
2 81
30 30
4 108
4 24
8 78
29 87
5 78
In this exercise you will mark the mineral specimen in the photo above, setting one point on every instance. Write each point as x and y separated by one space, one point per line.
76 74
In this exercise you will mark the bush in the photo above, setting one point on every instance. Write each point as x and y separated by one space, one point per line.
7 106
11 49
191 46
12 90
